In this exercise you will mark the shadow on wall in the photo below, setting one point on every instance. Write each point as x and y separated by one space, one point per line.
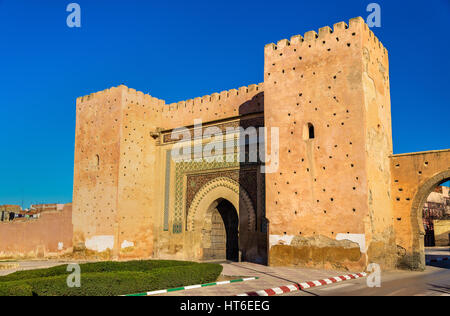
253 238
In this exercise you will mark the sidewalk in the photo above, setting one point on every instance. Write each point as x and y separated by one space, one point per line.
437 251
269 277
29 265
436 254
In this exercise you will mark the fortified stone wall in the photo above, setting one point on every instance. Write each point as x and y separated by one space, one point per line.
331 201
330 184
49 236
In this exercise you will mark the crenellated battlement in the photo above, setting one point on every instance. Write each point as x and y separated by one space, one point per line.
216 97
102 93
312 38
133 94
130 92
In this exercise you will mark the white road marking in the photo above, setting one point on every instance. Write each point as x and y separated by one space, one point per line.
278 290
292 288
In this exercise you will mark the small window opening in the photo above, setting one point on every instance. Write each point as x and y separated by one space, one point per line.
309 132
97 160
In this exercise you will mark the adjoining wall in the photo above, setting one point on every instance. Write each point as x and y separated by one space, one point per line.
414 176
333 186
214 107
49 236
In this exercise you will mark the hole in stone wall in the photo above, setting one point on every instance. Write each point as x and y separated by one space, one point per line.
311 131
308 131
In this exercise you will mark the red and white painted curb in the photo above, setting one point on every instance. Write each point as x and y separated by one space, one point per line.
304 285
438 260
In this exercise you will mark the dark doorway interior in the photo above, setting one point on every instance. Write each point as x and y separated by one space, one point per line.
231 222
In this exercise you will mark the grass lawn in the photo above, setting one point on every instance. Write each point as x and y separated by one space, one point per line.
110 278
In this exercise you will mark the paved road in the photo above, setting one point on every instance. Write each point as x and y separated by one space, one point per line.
435 281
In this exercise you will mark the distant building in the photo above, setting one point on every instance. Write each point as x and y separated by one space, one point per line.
436 212
7 212
12 212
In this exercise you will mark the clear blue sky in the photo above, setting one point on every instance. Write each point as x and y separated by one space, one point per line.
178 50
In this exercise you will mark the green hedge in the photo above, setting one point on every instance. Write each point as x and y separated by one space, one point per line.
116 282
15 289
109 266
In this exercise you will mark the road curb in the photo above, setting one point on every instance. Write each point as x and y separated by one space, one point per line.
190 287
437 260
304 285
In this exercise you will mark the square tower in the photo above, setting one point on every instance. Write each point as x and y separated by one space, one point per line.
114 194
329 202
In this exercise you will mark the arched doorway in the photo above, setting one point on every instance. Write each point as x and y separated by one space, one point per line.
436 209
417 211
222 221
224 232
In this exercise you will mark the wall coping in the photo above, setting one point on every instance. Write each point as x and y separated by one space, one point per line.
420 153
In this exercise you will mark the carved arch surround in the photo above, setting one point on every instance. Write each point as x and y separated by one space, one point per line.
225 188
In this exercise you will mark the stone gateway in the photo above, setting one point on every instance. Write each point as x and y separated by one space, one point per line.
335 197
